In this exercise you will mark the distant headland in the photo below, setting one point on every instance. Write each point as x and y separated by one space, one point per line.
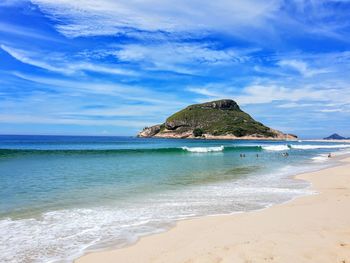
221 119
336 136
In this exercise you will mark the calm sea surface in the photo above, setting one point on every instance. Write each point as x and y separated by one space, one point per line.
61 196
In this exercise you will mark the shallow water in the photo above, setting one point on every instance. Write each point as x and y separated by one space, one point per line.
63 195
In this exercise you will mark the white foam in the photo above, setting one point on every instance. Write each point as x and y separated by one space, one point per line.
320 158
320 146
203 149
276 148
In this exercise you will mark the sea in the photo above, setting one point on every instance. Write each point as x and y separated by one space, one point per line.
63 196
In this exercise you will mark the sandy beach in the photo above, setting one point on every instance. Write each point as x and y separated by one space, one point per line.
313 228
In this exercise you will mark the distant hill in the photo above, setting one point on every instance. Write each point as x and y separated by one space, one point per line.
335 136
221 119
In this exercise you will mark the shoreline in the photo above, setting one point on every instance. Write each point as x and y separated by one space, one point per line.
214 244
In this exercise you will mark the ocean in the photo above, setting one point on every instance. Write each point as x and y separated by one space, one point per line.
61 196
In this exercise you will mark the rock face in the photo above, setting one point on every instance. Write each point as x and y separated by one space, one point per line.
149 131
221 119
335 136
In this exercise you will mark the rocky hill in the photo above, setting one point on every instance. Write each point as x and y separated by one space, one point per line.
335 136
221 119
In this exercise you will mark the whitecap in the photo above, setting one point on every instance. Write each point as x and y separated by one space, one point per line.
320 158
203 149
276 147
312 147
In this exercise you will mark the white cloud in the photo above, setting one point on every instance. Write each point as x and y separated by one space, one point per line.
57 62
265 94
178 57
205 92
179 52
78 87
302 67
110 17
295 105
253 20
331 110
22 118
301 96
125 110
87 104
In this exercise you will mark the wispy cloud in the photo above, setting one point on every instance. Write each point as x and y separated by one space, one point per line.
57 120
78 87
57 62
252 20
69 102
265 93
108 17
179 56
24 32
302 67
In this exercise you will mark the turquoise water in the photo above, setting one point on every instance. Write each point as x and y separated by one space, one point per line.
61 196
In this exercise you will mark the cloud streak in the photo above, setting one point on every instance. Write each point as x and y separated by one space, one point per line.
252 20
301 67
59 63
108 17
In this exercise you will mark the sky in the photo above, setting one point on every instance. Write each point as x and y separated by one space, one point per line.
112 67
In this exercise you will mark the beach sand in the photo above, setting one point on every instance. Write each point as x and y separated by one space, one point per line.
313 228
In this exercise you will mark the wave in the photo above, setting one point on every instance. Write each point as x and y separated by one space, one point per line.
320 158
312 147
184 149
276 147
303 147
169 150
203 149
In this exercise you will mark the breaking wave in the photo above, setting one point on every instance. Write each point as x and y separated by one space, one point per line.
313 147
276 147
203 149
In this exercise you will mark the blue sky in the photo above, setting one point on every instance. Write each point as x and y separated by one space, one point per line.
111 67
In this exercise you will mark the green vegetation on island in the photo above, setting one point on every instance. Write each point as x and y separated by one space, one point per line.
216 119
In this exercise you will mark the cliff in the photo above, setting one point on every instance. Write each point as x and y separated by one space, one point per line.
221 119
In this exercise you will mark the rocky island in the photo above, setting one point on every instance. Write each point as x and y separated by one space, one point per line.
221 119
335 136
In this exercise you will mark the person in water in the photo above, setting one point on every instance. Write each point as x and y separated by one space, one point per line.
329 155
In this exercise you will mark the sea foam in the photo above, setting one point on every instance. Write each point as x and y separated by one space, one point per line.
313 147
203 149
320 158
276 148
